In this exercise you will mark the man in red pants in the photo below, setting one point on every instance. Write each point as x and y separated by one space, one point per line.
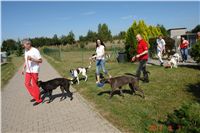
32 61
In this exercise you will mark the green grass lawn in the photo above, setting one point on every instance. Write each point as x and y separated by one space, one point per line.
168 90
9 69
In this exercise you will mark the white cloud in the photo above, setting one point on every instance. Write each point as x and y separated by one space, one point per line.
88 13
128 17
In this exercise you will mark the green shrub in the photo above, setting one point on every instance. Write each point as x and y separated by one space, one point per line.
186 119
82 45
196 51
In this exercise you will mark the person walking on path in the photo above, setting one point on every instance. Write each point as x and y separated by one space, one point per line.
100 59
184 49
142 56
31 69
160 48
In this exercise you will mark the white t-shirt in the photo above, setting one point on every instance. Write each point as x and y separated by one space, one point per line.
31 66
161 44
100 52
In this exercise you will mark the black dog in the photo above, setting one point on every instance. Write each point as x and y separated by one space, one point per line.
50 85
118 82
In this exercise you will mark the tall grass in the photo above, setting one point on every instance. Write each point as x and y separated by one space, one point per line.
9 69
52 52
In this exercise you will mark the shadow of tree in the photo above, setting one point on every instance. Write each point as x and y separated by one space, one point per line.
196 67
195 90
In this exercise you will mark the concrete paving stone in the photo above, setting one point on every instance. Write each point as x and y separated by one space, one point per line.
19 114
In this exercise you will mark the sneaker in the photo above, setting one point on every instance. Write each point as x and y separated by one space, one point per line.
145 81
37 102
100 84
32 100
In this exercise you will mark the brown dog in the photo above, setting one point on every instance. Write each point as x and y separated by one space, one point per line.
118 82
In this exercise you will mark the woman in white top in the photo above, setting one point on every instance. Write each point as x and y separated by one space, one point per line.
100 59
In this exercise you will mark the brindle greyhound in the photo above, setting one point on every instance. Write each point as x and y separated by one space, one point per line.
118 82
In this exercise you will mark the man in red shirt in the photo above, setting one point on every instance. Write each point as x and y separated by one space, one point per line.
142 56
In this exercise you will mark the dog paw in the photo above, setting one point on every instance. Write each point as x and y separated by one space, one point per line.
71 98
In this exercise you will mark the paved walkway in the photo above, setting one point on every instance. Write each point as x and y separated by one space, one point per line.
19 114
190 62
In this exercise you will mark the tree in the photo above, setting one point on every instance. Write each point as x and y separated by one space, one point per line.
82 39
104 33
91 36
120 36
70 38
9 46
196 51
196 29
130 44
55 40
63 40
163 30
19 51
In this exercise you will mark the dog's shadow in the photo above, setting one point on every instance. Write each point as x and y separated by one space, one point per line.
44 96
117 92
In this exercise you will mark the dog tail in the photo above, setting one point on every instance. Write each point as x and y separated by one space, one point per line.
74 79
90 65
130 74
135 74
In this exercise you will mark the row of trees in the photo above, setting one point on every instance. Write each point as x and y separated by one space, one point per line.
103 33
11 46
55 40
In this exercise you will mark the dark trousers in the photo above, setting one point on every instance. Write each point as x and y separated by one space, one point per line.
142 67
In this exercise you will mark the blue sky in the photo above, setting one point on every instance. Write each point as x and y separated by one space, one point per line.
36 19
